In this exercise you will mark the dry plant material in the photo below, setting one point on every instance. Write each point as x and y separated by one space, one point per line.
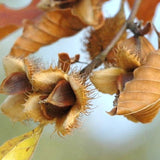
148 7
10 19
50 28
89 11
64 62
140 99
56 4
99 39
58 95
44 95
130 53
126 56
106 80
56 24
6 30
15 83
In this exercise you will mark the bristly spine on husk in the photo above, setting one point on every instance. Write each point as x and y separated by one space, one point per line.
43 82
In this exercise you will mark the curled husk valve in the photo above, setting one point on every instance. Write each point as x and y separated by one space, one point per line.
44 95
106 80
130 53
140 99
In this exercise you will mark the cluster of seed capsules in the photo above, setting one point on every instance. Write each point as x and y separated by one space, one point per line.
58 94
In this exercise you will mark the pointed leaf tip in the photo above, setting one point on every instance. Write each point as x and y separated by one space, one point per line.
21 147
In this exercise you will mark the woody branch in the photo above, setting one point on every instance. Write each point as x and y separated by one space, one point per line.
99 59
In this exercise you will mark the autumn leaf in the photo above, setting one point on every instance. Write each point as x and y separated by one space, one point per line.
52 26
11 19
6 30
21 147
89 11
140 99
148 7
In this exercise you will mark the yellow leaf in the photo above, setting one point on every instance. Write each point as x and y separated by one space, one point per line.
21 147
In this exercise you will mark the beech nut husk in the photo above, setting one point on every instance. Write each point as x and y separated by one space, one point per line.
140 99
106 80
44 95
131 53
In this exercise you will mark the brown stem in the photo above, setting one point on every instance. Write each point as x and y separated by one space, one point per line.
99 59
158 34
138 30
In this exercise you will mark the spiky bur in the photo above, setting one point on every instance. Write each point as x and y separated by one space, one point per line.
133 56
52 95
132 76
81 106
99 39
131 53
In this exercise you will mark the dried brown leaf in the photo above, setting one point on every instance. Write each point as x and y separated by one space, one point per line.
11 19
140 100
64 61
89 11
146 9
50 28
6 30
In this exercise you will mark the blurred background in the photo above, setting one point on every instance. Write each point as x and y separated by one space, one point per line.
100 136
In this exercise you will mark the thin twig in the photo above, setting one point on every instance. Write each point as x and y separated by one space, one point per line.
99 59
137 28
158 34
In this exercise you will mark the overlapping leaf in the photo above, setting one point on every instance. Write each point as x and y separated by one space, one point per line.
21 147
89 11
52 26
11 19
146 10
140 100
